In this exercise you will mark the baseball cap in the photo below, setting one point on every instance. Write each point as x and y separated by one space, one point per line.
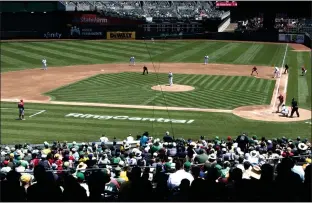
25 178
80 176
187 166
218 167
167 165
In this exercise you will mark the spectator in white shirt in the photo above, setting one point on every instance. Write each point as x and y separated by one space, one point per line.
6 168
175 179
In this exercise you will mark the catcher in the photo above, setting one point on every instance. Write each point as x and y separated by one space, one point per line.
145 70
254 69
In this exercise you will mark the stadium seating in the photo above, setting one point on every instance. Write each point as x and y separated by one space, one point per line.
233 169
178 9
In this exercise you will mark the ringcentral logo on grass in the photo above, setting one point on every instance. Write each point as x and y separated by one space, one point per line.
160 120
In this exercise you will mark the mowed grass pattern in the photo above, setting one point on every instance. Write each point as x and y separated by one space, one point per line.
211 91
299 86
52 125
25 55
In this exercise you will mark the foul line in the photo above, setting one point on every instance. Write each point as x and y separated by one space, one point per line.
124 106
17 109
37 113
279 79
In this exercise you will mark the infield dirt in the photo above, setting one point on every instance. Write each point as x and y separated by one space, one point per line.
173 88
31 84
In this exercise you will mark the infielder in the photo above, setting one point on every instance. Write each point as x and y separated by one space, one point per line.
170 78
206 58
132 60
145 70
286 69
44 64
303 70
276 72
254 69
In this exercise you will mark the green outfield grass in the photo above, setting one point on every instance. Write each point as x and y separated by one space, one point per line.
24 55
211 91
53 125
299 86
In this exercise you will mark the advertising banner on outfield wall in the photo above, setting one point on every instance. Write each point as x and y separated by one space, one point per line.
296 38
86 32
82 18
120 35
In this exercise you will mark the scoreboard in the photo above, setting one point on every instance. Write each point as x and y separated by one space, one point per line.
173 27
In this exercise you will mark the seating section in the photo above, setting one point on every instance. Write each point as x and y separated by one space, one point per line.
243 168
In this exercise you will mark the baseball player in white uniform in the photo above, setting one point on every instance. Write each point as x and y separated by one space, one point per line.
284 111
170 78
206 58
276 72
44 64
132 60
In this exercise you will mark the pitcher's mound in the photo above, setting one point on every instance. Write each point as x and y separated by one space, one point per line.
173 88
265 113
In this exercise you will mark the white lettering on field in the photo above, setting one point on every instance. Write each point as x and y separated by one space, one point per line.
105 117
160 120
178 121
135 119
120 117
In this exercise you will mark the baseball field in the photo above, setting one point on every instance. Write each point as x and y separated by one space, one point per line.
90 89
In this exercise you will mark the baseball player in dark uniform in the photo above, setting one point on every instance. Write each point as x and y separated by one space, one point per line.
281 100
21 109
294 108
254 69
286 69
145 70
303 70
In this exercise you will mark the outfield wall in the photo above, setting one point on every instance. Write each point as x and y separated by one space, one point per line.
88 25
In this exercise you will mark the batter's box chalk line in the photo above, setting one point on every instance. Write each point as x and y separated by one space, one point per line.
262 113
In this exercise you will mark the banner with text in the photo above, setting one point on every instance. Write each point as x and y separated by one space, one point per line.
295 38
120 35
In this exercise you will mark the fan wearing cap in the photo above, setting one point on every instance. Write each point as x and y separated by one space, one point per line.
202 157
5 167
44 162
21 109
111 188
117 177
26 180
175 179
242 141
167 137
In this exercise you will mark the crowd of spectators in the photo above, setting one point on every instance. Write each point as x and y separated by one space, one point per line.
252 24
293 25
158 9
244 168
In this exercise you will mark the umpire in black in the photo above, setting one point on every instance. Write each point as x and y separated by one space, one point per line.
286 69
145 70
294 108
